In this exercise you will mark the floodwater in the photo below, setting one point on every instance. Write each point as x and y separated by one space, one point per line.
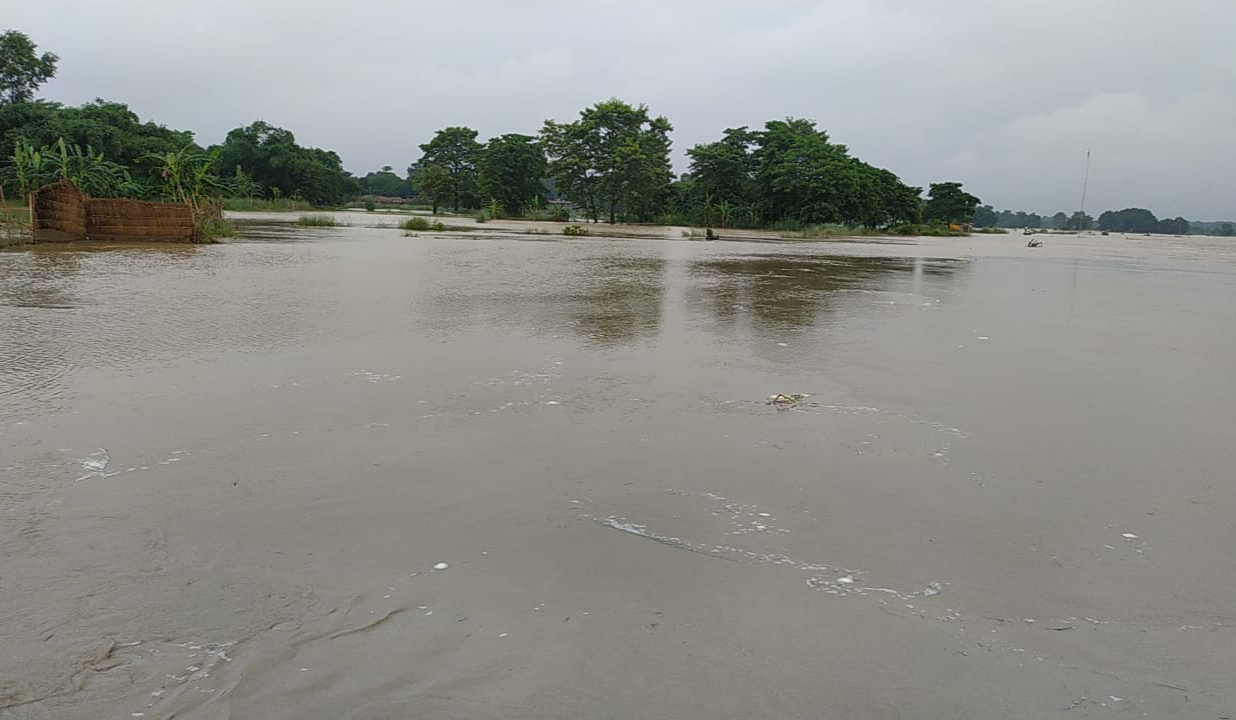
350 474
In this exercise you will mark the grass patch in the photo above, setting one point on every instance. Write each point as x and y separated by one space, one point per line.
318 221
213 229
991 231
420 223
575 230
417 223
825 232
14 225
260 205
536 231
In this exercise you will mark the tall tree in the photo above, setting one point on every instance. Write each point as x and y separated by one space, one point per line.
273 159
724 171
456 151
947 202
22 69
385 182
511 172
1135 220
1079 221
614 157
985 216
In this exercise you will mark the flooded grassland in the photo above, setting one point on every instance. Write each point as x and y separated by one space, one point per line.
328 473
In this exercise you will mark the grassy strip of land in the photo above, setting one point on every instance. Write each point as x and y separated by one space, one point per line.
14 225
262 205
320 221
420 223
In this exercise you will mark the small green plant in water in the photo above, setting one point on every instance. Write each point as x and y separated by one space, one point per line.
317 221
575 230
370 205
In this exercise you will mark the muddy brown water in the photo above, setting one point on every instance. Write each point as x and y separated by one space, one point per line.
349 474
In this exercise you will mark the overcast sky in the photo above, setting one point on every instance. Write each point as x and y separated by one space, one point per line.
1005 96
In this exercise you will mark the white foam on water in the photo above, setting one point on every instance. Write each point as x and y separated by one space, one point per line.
95 465
441 566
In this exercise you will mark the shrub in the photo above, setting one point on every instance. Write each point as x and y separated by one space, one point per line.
575 230
318 221
370 205
416 223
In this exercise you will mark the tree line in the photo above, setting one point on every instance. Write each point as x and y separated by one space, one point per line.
107 149
1128 220
611 163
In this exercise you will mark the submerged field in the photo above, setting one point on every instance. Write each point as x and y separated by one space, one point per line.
337 471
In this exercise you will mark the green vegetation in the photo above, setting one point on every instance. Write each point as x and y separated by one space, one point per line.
214 228
447 168
386 183
575 230
419 223
824 232
108 151
511 173
948 203
319 221
14 224
22 69
613 160
789 173
1140 220
262 205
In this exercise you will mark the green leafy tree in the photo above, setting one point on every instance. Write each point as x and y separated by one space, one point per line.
273 159
511 172
1174 226
386 183
30 168
724 171
1079 221
614 158
1135 220
432 181
985 216
947 202
455 151
22 69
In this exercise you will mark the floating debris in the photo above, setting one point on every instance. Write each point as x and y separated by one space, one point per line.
786 399
441 566
1128 536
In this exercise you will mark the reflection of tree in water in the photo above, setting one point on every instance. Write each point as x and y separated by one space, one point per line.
620 301
796 291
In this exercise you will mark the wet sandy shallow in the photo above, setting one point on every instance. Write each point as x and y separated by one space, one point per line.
344 473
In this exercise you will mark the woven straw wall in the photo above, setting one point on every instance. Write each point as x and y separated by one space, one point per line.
62 214
119 220
58 213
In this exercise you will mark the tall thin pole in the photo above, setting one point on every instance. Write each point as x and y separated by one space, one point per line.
1081 213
